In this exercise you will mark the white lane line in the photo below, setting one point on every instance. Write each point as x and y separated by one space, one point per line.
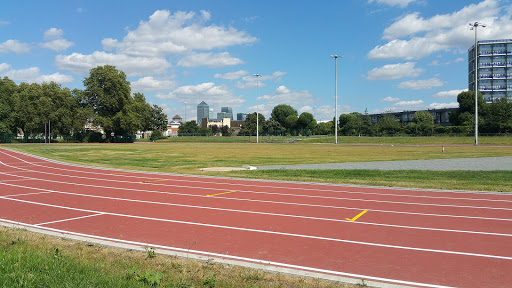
258 201
255 192
26 194
274 187
222 256
269 232
257 212
69 219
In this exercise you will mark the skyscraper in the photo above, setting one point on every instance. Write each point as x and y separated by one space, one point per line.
494 61
228 111
203 111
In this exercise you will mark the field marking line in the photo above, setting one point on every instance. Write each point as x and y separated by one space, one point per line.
257 212
224 256
358 215
266 186
269 232
270 193
257 201
69 219
220 193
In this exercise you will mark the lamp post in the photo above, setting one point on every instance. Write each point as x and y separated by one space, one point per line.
474 26
335 97
257 105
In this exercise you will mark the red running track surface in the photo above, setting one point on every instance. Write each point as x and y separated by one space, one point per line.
411 237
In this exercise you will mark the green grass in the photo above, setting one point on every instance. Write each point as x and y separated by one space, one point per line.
188 158
35 260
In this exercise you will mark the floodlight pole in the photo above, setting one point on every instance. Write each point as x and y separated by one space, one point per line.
257 108
335 98
474 26
185 111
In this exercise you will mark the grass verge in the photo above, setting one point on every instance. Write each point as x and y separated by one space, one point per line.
30 259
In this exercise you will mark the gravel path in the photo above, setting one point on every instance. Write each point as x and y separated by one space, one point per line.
473 164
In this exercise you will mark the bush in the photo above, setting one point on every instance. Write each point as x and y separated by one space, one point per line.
157 134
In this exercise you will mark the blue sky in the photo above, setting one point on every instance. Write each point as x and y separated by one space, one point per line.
397 54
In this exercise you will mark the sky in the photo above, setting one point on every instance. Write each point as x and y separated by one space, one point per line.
396 55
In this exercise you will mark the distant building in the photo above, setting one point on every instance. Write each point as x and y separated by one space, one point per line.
241 116
494 62
441 116
203 111
228 112
177 118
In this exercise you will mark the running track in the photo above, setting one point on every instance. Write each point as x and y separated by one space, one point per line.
408 237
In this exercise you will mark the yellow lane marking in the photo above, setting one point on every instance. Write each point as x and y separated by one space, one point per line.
154 181
220 193
358 215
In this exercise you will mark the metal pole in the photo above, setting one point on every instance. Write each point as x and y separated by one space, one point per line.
476 86
335 98
257 108
44 132
49 133
185 111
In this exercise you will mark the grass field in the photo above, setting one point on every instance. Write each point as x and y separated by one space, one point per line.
188 158
35 260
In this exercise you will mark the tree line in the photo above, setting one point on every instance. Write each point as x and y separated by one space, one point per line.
493 118
105 102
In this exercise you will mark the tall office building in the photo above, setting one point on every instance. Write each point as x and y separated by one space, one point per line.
228 112
494 62
241 116
203 111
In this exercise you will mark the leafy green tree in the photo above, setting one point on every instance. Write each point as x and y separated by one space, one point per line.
8 89
108 93
424 122
306 122
158 118
249 126
281 112
349 124
291 122
272 126
499 118
189 127
324 128
466 102
388 124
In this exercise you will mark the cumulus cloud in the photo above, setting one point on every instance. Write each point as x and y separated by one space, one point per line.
421 84
399 3
132 66
14 46
232 75
32 75
443 105
407 106
209 59
395 71
250 81
283 95
53 33
390 99
165 33
442 32
150 84
448 94
54 39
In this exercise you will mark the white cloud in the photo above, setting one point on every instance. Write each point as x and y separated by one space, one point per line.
165 33
395 71
53 33
283 95
132 66
250 81
460 59
14 46
4 23
32 75
442 32
390 99
232 75
443 105
448 94
149 84
407 106
57 45
209 59
421 84
399 3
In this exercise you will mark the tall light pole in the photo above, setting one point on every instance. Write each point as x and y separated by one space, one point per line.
335 97
257 108
474 26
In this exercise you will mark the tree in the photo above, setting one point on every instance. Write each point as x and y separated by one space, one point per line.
291 122
272 126
466 102
424 122
189 128
499 119
8 89
388 124
306 122
107 92
324 128
349 124
249 126
281 112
